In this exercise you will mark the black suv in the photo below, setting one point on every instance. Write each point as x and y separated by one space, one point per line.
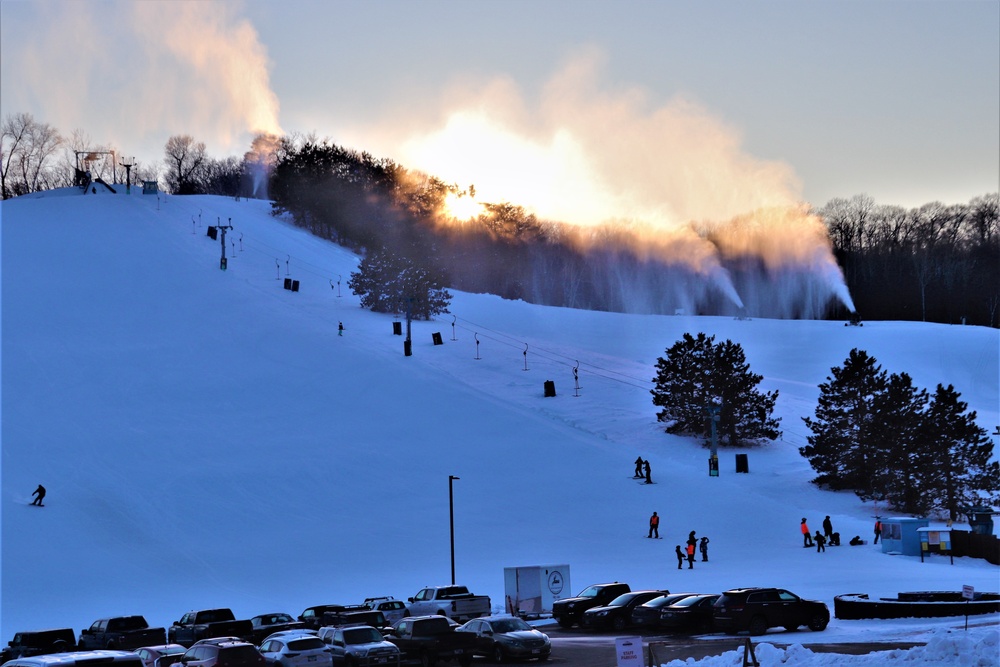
617 614
40 642
570 610
757 609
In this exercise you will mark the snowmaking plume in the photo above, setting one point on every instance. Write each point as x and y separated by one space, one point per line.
591 156
171 68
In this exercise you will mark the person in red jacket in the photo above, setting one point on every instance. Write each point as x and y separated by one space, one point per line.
654 526
807 540
878 529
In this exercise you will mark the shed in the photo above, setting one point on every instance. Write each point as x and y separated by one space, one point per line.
900 536
530 590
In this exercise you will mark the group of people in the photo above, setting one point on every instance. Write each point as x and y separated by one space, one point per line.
642 470
820 540
693 544
828 536
688 552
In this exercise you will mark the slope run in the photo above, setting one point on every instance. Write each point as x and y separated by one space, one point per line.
207 439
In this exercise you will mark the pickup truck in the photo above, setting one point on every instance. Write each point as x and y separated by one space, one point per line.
124 633
206 624
569 611
455 602
431 639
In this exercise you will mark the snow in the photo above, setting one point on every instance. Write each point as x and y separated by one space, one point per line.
207 439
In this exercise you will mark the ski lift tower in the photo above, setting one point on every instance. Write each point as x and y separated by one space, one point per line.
128 163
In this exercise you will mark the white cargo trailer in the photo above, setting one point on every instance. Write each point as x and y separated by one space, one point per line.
530 590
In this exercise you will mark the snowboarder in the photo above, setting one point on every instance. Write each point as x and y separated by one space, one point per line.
806 537
649 477
820 542
835 539
638 467
40 492
878 529
654 526
692 544
856 541
340 328
703 547
680 557
827 527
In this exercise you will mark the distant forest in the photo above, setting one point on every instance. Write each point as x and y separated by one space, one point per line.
936 263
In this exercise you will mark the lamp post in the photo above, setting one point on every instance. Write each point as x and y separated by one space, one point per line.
451 523
713 409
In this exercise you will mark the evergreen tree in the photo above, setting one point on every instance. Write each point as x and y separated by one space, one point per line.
899 447
391 283
839 448
961 471
697 373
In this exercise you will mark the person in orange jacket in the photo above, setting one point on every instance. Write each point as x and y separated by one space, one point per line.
807 540
654 526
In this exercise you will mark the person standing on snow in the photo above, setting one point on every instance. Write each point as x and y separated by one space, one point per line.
654 526
692 544
649 477
827 527
703 547
638 467
680 557
806 537
820 542
40 492
878 529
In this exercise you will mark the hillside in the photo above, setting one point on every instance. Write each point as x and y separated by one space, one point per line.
207 439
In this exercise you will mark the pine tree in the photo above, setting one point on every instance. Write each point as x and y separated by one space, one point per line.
899 447
696 373
839 448
961 473
391 283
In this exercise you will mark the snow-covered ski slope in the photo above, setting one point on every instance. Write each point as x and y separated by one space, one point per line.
207 439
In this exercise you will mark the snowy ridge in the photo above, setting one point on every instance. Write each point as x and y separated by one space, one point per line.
207 439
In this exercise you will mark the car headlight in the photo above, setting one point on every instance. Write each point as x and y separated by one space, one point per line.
361 652
508 641
601 613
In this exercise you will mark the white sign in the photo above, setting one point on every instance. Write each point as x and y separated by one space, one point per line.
968 592
629 651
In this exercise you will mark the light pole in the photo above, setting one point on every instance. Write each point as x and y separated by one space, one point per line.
451 523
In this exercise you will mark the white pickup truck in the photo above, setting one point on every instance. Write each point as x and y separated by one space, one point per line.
455 602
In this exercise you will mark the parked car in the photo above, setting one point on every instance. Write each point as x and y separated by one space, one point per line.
432 639
360 645
757 609
40 642
690 614
647 615
452 601
617 614
503 638
126 633
207 623
296 649
569 610
376 619
392 608
313 616
214 653
101 657
266 625
162 655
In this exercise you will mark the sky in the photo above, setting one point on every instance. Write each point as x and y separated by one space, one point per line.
580 110
207 438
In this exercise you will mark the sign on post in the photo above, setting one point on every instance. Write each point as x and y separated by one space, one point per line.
968 592
629 651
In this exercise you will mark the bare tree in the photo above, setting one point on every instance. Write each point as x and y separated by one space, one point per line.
14 138
185 159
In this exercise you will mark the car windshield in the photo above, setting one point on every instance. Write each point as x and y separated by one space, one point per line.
622 600
510 625
172 650
306 644
688 602
590 592
362 636
663 601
